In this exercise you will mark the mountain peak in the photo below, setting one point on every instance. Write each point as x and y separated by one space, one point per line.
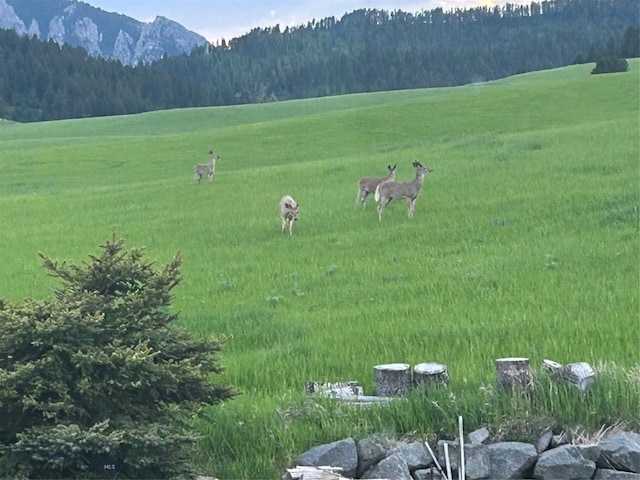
104 34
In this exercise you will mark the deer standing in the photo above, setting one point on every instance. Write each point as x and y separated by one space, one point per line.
288 212
207 169
368 185
385 192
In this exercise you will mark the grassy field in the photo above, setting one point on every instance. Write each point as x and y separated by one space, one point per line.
525 242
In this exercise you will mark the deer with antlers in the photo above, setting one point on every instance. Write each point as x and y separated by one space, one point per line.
385 192
367 185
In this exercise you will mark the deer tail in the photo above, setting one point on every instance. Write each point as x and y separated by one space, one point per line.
377 194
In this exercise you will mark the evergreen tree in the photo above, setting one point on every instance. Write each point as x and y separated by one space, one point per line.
99 379
610 64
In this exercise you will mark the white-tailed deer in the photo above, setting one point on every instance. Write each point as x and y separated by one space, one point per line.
367 185
288 212
385 192
207 169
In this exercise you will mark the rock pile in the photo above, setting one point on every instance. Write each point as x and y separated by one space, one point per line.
614 457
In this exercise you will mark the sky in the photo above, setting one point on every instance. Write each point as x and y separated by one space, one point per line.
217 19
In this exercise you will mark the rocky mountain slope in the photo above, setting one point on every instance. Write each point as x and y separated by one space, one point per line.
102 34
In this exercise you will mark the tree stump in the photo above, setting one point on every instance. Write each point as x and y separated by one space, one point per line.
393 379
514 374
430 374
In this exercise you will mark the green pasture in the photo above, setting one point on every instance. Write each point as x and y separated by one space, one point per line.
525 242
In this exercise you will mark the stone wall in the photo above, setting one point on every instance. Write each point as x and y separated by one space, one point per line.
614 457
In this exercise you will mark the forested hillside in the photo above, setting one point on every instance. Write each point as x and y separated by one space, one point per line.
364 51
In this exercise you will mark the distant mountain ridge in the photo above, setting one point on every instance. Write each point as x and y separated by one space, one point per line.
102 34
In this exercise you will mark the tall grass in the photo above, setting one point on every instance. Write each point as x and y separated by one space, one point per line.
524 243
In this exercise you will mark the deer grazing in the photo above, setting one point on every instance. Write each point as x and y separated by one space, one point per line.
385 192
367 185
288 212
207 169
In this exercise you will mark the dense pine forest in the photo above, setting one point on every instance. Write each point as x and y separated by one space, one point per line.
364 51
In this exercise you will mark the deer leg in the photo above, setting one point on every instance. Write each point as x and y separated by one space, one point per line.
411 203
380 208
362 197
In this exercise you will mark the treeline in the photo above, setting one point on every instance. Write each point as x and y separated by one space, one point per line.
366 50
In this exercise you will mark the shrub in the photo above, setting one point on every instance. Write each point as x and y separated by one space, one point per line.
99 380
610 64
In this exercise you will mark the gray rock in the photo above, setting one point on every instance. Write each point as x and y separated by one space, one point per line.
477 462
560 439
564 462
370 452
454 454
511 459
606 474
544 442
343 453
590 452
621 451
415 454
393 467
426 474
481 435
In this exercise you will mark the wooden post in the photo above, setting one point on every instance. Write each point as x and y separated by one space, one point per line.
430 374
393 379
514 373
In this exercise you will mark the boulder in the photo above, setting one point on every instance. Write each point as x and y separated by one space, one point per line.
590 452
544 442
606 474
564 462
392 467
415 454
477 462
343 453
511 459
481 435
621 451
370 452
454 453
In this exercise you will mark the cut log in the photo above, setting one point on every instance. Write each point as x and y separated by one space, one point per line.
554 368
335 389
313 473
392 379
514 374
579 374
430 374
